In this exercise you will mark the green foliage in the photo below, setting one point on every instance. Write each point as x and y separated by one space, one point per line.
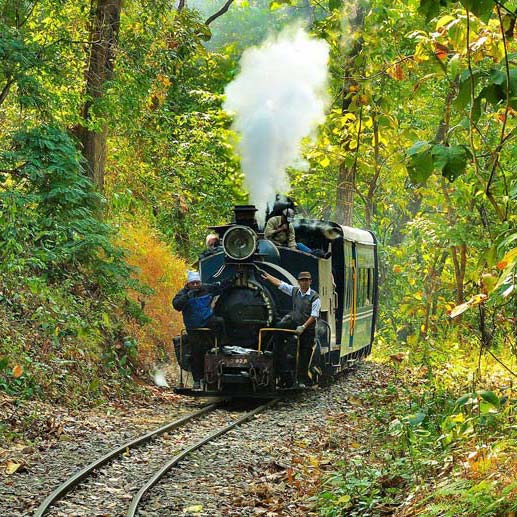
418 429
426 157
62 342
49 211
481 8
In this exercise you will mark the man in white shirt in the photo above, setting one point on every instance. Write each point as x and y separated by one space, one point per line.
306 310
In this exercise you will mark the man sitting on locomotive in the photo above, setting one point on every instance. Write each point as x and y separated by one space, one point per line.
280 230
213 245
306 310
194 301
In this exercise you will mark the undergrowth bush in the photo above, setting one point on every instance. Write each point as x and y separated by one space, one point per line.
156 267
438 442
49 213
60 342
63 280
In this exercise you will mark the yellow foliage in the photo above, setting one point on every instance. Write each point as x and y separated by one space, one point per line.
159 269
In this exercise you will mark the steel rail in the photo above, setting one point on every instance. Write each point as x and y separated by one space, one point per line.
160 473
73 481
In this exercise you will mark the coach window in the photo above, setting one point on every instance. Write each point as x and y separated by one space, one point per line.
369 291
361 288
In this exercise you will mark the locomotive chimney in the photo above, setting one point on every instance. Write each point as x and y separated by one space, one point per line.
245 215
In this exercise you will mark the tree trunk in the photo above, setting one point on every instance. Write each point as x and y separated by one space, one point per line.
105 22
346 173
459 252
345 195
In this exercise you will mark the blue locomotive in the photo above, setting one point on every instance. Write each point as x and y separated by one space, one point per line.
258 359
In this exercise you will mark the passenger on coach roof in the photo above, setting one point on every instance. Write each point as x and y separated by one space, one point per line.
194 301
280 230
303 317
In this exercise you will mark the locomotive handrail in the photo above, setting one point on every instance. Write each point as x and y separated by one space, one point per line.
287 331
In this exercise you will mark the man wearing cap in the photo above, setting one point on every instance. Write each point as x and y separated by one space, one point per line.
194 301
306 310
280 230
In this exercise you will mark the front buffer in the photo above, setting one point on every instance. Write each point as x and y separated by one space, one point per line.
239 371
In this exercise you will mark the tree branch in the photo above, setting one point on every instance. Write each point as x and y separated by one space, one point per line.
500 213
221 11
5 90
29 13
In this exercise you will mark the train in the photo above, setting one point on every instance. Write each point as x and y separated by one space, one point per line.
248 361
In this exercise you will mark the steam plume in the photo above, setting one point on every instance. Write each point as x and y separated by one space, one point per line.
160 379
279 97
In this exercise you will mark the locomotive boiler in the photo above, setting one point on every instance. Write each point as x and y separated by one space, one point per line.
255 358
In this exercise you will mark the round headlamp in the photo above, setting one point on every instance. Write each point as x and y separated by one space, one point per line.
240 242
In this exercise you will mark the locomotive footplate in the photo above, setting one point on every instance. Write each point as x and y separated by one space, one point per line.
236 368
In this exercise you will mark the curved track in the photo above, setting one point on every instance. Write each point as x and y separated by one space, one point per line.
62 490
174 461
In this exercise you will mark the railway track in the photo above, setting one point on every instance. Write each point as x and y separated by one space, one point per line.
133 463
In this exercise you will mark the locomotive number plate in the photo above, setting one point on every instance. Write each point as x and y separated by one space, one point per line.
237 361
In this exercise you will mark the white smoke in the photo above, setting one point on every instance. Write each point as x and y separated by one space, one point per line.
159 379
278 98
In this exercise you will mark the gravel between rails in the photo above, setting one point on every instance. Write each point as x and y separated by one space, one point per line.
246 472
72 440
111 490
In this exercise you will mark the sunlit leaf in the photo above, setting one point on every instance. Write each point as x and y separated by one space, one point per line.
510 257
196 508
17 371
477 299
325 162
459 309
278 4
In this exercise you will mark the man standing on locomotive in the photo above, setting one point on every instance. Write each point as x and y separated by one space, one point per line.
306 310
194 301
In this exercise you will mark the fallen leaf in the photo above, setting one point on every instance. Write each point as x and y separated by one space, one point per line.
196 508
12 467
398 358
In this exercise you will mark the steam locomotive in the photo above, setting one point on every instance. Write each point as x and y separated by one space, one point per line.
256 358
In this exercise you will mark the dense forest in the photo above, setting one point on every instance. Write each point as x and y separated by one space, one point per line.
124 134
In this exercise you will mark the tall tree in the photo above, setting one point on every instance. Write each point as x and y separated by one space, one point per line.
104 23
350 142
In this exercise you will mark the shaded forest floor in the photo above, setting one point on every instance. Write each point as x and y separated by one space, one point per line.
383 440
